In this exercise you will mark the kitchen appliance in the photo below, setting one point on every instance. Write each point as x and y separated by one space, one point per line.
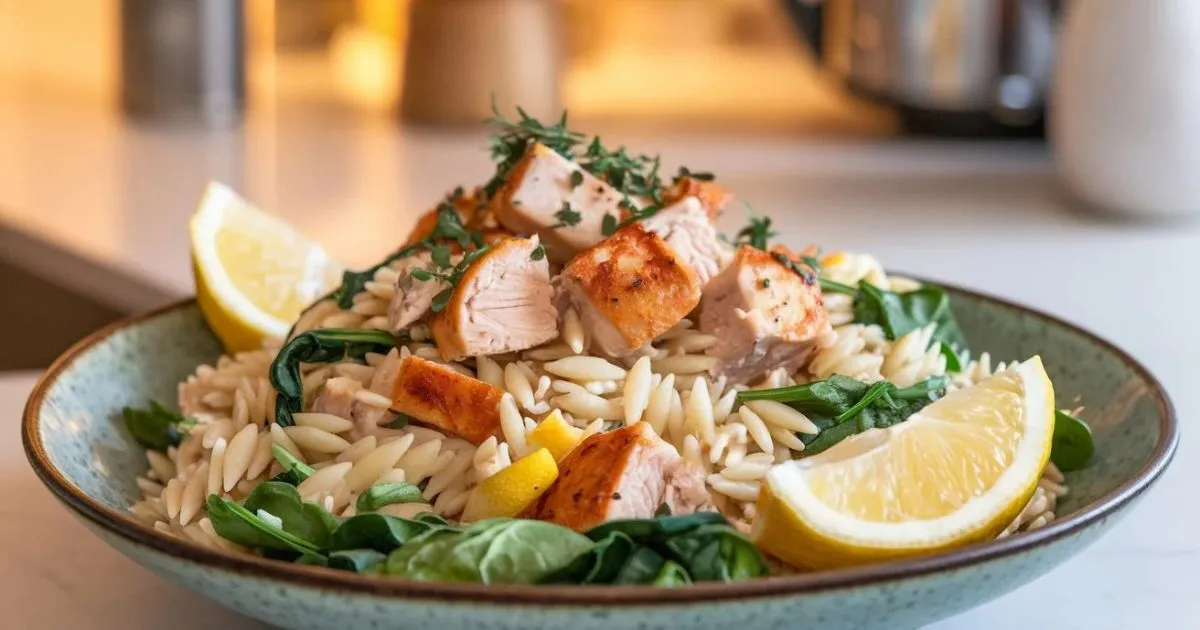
949 67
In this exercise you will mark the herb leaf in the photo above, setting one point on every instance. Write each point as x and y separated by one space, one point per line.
685 173
1072 445
156 428
757 233
325 345
566 216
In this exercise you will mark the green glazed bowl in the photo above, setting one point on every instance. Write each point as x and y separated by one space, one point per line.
81 451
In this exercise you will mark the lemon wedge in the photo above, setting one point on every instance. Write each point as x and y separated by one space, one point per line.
508 492
254 273
956 472
556 435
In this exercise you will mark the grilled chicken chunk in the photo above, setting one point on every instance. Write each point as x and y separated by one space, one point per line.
435 395
627 473
764 314
630 289
539 187
686 227
413 298
337 397
503 303
712 196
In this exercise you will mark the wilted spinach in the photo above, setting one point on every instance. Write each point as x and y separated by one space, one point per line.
668 551
382 494
381 532
491 551
358 560
294 470
156 428
1072 445
326 345
842 407
306 527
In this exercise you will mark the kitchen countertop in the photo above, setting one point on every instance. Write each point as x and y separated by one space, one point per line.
101 206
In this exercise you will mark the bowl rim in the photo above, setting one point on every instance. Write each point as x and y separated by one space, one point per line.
117 523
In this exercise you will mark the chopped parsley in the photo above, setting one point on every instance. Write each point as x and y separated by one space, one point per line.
538 253
757 233
684 173
576 179
515 137
806 274
566 216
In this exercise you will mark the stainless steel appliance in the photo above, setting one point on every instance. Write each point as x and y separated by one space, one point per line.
950 67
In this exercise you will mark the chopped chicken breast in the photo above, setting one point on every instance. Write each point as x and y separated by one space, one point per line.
686 227
435 395
414 297
539 187
503 303
712 196
336 397
764 315
630 289
621 474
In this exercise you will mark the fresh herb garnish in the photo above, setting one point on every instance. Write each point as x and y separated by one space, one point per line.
325 345
841 406
452 276
1072 445
156 428
757 232
514 138
567 217
538 252
576 179
684 173
631 175
806 274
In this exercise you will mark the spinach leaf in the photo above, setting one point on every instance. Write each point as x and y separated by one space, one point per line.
1072 445
381 532
671 575
235 523
357 560
382 494
307 521
156 428
492 551
901 313
312 560
842 407
703 546
326 345
294 470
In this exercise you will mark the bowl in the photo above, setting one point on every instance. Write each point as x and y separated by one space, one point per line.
80 450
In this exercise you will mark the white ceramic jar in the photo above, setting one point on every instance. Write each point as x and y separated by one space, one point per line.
1124 116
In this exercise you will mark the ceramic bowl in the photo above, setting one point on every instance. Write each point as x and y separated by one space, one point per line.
82 453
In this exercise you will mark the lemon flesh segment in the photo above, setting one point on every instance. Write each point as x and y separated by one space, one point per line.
254 273
508 492
957 472
555 434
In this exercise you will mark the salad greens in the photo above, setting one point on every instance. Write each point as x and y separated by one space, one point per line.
668 551
156 428
325 345
382 494
841 406
1072 445
664 551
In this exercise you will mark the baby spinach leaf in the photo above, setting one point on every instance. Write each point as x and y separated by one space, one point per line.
307 521
1072 445
294 470
235 523
326 345
312 560
381 532
357 560
382 494
703 546
901 313
156 428
671 575
492 551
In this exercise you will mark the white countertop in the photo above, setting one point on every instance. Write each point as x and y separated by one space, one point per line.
102 206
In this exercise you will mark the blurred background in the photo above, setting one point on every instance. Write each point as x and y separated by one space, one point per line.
115 113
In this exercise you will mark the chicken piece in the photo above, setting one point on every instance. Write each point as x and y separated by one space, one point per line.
414 297
368 418
629 289
537 189
503 303
337 397
435 395
765 315
621 474
686 227
713 197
